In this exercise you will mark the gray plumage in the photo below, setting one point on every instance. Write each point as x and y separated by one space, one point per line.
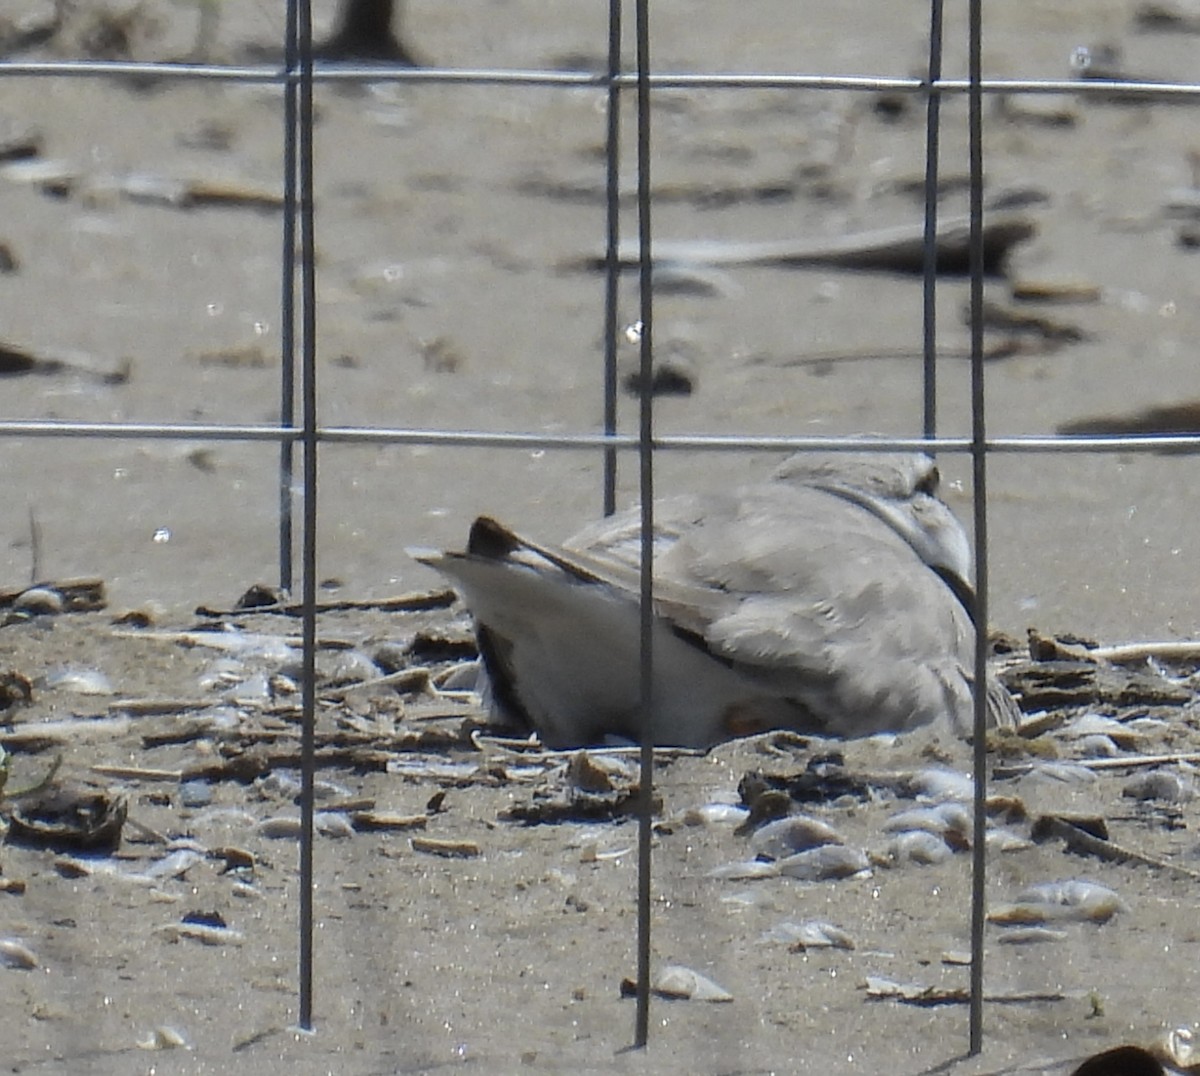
831 599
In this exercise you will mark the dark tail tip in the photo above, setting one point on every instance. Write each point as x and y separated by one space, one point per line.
490 539
1121 1061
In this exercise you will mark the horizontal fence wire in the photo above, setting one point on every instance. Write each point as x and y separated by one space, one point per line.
387 435
678 81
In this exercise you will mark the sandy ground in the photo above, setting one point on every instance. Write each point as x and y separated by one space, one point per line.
445 217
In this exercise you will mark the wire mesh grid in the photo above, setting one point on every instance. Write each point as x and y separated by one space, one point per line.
636 106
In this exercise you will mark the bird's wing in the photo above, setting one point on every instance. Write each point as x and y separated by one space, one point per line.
812 595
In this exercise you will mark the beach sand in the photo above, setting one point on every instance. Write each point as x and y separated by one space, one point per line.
449 223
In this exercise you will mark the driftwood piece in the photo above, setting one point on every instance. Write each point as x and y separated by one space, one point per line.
929 996
364 31
1167 420
248 759
1140 761
895 250
69 816
371 821
1077 839
1052 648
1021 323
38 736
85 595
703 193
576 806
137 773
1006 348
447 849
1166 17
1053 685
15 361
404 603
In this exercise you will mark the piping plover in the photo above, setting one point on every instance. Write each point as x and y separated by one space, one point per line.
831 599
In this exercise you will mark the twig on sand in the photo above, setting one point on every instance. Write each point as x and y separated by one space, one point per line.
1046 648
928 996
898 250
137 773
1128 653
1081 842
531 750
1139 760
405 603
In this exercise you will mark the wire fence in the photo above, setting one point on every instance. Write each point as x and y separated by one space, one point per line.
299 429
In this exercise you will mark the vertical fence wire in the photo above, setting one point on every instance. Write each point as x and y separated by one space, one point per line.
612 239
933 130
646 492
309 444
979 505
287 301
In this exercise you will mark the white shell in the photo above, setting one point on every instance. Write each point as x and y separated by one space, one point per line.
828 861
919 846
787 836
676 981
13 954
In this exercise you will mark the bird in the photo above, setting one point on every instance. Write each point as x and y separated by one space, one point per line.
831 598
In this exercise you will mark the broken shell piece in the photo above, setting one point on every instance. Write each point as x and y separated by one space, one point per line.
1069 901
597 773
15 689
1030 935
1002 839
679 983
938 783
1097 747
386 820
1160 785
746 870
164 1038
13 954
79 681
1068 773
811 934
1064 290
333 824
951 821
1180 1046
1099 725
39 601
787 836
918 846
447 849
827 862
204 933
281 828
66 817
714 814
